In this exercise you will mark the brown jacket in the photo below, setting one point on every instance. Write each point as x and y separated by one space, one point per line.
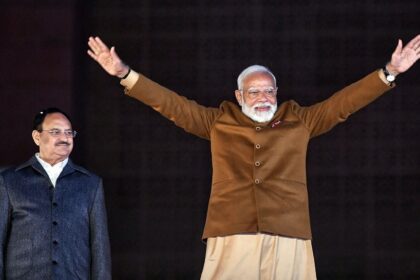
259 174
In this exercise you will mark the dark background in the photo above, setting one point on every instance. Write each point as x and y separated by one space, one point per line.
363 176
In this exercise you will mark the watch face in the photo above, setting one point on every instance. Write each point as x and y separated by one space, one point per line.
390 78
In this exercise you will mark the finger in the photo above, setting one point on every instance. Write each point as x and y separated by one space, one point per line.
114 54
399 47
101 44
93 45
92 55
91 39
414 42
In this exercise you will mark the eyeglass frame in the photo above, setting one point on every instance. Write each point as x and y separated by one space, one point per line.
254 95
55 132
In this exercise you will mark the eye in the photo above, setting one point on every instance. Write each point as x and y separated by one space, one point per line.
55 132
253 92
269 91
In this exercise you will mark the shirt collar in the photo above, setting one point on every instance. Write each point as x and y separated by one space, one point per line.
47 166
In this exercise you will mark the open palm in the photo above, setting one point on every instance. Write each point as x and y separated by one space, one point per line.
107 58
403 58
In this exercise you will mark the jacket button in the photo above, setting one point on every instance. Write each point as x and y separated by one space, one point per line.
55 242
257 146
55 204
257 163
54 262
55 223
257 181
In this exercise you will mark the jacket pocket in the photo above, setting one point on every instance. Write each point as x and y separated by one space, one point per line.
19 258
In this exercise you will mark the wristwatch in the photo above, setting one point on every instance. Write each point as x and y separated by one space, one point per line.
388 76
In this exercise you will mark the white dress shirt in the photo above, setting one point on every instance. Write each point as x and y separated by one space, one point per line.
53 171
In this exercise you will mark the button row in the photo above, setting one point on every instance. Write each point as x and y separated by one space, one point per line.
55 242
257 163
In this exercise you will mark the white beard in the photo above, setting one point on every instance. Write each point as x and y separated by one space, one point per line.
257 115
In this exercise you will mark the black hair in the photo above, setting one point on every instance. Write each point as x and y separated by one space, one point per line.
40 117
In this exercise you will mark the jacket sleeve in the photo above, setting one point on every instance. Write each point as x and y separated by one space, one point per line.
189 115
99 238
321 117
4 225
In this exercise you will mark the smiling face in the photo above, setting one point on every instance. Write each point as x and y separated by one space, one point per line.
54 149
258 96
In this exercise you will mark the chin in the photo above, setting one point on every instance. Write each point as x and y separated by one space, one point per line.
258 116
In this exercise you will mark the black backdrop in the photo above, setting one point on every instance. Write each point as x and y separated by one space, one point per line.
363 176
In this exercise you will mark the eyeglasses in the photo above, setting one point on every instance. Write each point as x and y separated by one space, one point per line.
57 132
255 92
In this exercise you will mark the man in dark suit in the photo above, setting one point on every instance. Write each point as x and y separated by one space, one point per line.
53 222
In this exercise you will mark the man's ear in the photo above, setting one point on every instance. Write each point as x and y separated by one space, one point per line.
36 136
238 96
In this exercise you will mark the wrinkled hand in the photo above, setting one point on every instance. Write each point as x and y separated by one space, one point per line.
107 58
403 58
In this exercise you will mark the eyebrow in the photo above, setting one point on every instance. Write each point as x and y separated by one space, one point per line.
267 87
55 128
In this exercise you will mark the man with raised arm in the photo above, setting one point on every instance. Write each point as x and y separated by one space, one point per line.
257 224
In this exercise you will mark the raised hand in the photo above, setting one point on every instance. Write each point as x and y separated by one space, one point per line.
403 58
107 58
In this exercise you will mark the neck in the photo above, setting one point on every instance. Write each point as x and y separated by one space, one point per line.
51 161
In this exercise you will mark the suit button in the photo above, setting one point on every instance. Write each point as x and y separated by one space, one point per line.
257 146
55 223
55 242
257 163
55 204
257 181
54 262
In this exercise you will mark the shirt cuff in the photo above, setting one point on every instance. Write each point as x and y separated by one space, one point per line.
131 80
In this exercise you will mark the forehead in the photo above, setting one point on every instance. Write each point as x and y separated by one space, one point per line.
56 120
258 79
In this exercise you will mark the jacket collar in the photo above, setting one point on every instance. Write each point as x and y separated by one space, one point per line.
68 169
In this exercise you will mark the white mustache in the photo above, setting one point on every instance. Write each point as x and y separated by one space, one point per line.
262 104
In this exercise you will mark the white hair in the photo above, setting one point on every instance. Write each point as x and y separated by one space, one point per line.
250 70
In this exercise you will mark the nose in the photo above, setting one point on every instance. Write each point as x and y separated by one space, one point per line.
262 97
63 137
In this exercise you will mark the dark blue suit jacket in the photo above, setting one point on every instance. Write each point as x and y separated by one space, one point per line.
53 233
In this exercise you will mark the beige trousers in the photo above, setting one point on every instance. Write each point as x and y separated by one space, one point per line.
258 257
